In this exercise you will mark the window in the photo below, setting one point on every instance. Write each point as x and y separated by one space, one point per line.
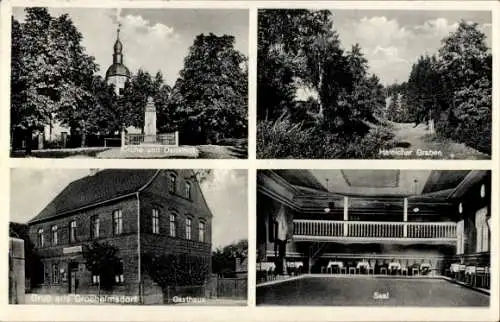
40 238
72 231
96 279
482 236
201 232
54 235
172 225
94 227
189 222
187 190
460 237
117 222
156 221
172 184
55 274
119 273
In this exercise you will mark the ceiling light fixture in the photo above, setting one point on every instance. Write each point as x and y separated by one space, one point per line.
483 191
460 208
416 209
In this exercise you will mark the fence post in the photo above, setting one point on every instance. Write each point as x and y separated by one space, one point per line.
123 138
176 138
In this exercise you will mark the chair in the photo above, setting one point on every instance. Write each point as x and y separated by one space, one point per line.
415 269
343 270
385 267
351 267
470 272
480 274
371 267
461 272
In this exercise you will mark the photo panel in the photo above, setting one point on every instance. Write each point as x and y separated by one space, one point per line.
374 84
378 238
129 83
128 237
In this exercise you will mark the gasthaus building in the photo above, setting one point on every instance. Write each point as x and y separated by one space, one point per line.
136 211
354 224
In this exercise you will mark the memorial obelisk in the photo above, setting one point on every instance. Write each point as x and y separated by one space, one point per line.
150 122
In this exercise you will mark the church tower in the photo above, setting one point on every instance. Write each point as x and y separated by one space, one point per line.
117 74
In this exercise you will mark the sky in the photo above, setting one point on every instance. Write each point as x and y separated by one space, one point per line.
153 39
392 40
225 192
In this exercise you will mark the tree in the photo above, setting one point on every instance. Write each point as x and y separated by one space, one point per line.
175 269
102 114
465 68
75 101
134 99
425 90
52 73
224 259
211 93
454 88
32 90
299 49
279 59
101 259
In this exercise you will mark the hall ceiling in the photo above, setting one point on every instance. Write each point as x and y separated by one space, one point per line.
373 182
414 184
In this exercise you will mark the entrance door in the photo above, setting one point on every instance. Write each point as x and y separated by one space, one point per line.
73 281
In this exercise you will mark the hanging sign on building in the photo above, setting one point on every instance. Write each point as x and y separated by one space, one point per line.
73 249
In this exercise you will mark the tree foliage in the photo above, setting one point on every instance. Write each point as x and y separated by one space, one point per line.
210 96
176 269
454 88
300 50
224 259
52 73
101 259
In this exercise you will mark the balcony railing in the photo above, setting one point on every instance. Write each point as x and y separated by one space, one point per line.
315 229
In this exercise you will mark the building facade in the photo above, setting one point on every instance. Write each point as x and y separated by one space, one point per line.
303 223
138 212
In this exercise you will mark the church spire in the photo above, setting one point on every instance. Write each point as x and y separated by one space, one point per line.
117 55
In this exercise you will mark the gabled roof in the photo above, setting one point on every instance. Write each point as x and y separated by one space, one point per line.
93 189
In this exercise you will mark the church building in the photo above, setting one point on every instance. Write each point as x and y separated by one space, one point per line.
118 74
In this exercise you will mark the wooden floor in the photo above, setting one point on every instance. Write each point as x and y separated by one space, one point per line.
370 291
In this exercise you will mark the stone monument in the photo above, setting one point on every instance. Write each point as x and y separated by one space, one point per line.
150 122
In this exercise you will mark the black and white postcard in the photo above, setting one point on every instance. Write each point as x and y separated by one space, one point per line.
374 84
128 236
130 83
250 160
417 238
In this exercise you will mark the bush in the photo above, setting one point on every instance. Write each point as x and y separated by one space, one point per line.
469 122
282 139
